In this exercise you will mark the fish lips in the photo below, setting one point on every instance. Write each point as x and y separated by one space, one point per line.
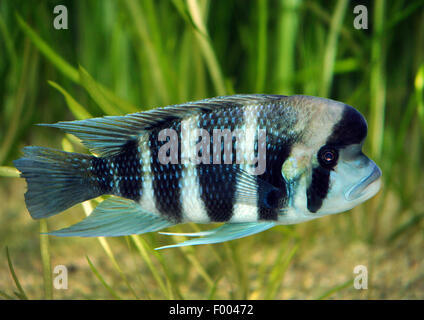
367 186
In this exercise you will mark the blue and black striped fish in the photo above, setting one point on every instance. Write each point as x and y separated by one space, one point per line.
195 162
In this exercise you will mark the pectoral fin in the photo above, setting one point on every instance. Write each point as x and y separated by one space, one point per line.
254 191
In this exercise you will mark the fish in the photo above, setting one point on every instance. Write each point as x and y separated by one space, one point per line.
248 161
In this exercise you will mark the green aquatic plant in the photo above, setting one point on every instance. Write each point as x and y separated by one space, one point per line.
125 56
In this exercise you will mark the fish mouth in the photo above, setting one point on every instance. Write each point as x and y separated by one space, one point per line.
366 185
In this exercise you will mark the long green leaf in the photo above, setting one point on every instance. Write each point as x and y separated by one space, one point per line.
95 92
336 289
45 260
77 110
331 48
102 280
206 46
22 294
48 52
9 172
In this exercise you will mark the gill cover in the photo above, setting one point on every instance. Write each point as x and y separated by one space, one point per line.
346 177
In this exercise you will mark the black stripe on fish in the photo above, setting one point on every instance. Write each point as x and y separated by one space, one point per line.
106 136
276 154
102 178
217 182
318 189
217 189
166 179
128 169
351 129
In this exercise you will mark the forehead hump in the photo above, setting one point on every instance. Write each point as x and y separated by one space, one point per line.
350 129
317 118
324 121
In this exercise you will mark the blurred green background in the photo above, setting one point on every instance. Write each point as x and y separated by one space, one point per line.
122 56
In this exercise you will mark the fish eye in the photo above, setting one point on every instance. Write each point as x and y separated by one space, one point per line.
327 157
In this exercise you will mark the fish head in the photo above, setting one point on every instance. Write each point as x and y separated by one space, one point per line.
327 171
352 180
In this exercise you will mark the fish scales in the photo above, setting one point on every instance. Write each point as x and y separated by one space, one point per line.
270 159
194 206
217 183
173 183
166 185
147 200
166 179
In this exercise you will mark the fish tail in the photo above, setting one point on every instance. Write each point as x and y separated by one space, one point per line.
56 180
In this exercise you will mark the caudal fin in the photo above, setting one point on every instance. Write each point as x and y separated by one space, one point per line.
56 180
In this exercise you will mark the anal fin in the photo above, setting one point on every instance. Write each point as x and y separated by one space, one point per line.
226 232
115 217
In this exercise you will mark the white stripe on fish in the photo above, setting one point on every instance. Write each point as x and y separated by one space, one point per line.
193 208
147 200
243 212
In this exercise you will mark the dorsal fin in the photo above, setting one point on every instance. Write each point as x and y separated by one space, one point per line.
106 135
